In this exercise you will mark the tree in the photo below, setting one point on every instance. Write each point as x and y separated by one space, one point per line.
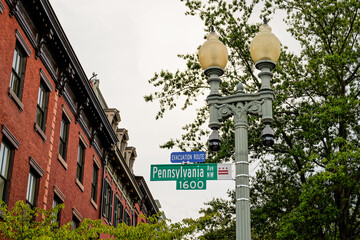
23 222
309 188
221 224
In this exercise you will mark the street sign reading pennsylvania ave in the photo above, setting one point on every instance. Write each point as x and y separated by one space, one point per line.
187 177
192 176
173 172
179 157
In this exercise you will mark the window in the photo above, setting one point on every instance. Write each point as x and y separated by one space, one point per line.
33 182
59 198
118 211
121 213
56 202
127 219
94 182
76 219
18 71
75 222
64 132
107 201
31 193
136 216
6 154
80 163
42 103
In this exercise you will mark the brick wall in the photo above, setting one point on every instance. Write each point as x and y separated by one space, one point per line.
21 125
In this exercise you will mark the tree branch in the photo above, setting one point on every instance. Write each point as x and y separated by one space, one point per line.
297 160
350 30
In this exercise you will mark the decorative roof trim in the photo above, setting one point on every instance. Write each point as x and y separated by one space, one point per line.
129 174
97 149
59 32
147 192
132 151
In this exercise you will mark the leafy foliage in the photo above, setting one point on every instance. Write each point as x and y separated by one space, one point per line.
222 223
22 222
309 188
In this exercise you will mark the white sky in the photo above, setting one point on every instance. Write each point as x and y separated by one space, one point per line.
125 43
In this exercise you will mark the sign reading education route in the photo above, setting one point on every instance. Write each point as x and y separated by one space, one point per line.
179 157
191 177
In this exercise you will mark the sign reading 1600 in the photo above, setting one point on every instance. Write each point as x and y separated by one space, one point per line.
190 185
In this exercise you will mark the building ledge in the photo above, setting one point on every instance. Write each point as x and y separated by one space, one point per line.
62 161
94 204
40 132
16 99
79 184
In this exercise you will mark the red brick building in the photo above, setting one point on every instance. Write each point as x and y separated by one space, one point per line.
59 141
125 198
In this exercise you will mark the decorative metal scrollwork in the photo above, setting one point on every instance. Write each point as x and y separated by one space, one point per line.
60 85
239 109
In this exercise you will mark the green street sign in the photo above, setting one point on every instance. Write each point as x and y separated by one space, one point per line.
176 172
191 185
192 176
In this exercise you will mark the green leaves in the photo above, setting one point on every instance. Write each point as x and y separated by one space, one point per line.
308 187
220 223
22 222
183 88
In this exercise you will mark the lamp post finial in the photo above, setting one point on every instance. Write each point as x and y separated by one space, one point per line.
265 20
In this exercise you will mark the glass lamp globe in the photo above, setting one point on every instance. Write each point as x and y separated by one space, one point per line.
265 45
213 53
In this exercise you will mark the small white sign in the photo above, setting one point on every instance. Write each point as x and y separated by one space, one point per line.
224 171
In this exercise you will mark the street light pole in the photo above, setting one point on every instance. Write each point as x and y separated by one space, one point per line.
240 105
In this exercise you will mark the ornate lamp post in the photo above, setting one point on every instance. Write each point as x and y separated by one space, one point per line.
265 51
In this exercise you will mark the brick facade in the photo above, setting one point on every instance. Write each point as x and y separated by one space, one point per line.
33 26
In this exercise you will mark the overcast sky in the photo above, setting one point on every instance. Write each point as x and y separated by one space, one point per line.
125 43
